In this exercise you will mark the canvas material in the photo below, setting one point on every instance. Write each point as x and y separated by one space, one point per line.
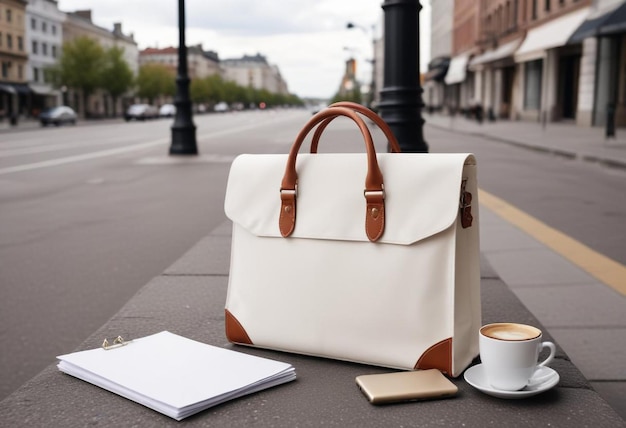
326 290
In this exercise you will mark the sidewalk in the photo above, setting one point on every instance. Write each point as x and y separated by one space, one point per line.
188 299
562 139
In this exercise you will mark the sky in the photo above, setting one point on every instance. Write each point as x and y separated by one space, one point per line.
307 40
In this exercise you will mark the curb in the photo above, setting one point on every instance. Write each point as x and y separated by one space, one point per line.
611 163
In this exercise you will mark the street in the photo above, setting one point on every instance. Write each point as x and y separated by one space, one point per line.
91 213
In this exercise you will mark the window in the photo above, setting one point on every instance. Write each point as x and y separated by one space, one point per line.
9 41
44 27
35 74
9 15
20 71
54 51
44 49
0 39
20 43
5 69
35 47
33 24
534 10
547 5
532 84
54 29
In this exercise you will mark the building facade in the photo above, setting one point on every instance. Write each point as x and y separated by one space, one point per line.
460 79
255 72
539 60
44 41
13 57
200 63
602 82
79 24
440 52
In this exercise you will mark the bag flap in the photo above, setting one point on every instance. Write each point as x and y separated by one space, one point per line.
422 194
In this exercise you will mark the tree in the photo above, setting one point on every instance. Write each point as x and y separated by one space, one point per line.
80 67
117 77
155 80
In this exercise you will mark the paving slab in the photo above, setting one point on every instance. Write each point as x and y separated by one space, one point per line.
540 266
600 352
574 300
210 256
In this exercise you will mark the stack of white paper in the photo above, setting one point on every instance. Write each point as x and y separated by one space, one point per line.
175 375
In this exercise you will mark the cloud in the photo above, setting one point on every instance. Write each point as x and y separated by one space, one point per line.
304 38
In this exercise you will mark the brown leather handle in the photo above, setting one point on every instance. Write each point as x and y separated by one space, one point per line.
393 143
374 186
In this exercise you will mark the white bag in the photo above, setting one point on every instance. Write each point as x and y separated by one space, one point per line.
387 276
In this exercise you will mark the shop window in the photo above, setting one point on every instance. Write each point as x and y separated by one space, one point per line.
532 84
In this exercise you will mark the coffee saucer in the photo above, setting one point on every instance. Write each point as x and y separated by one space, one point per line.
476 377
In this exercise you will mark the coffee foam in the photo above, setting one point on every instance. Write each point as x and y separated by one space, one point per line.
510 331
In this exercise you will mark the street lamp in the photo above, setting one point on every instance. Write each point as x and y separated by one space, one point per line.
372 90
401 97
183 129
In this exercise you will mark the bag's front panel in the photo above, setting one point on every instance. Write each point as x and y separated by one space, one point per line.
359 301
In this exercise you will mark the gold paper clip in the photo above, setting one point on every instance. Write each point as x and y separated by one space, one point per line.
118 342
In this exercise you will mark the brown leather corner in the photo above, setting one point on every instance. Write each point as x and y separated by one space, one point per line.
438 356
235 332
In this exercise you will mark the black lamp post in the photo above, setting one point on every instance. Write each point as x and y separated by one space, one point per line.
183 129
401 96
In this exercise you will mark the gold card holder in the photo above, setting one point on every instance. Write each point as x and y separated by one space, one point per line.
118 342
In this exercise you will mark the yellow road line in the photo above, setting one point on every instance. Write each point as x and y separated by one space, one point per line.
599 266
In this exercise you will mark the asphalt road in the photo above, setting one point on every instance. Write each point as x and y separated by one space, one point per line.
89 214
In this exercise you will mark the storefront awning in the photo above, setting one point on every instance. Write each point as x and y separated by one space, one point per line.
457 69
502 52
40 89
550 35
437 74
7 88
607 23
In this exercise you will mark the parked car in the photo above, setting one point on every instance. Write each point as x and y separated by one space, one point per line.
221 107
167 110
141 112
58 116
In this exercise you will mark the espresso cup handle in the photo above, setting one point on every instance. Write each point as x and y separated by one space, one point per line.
548 360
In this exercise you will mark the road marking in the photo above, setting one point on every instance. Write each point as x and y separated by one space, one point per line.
606 270
78 158
134 147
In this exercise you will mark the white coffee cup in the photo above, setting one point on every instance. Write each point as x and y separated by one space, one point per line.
509 354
